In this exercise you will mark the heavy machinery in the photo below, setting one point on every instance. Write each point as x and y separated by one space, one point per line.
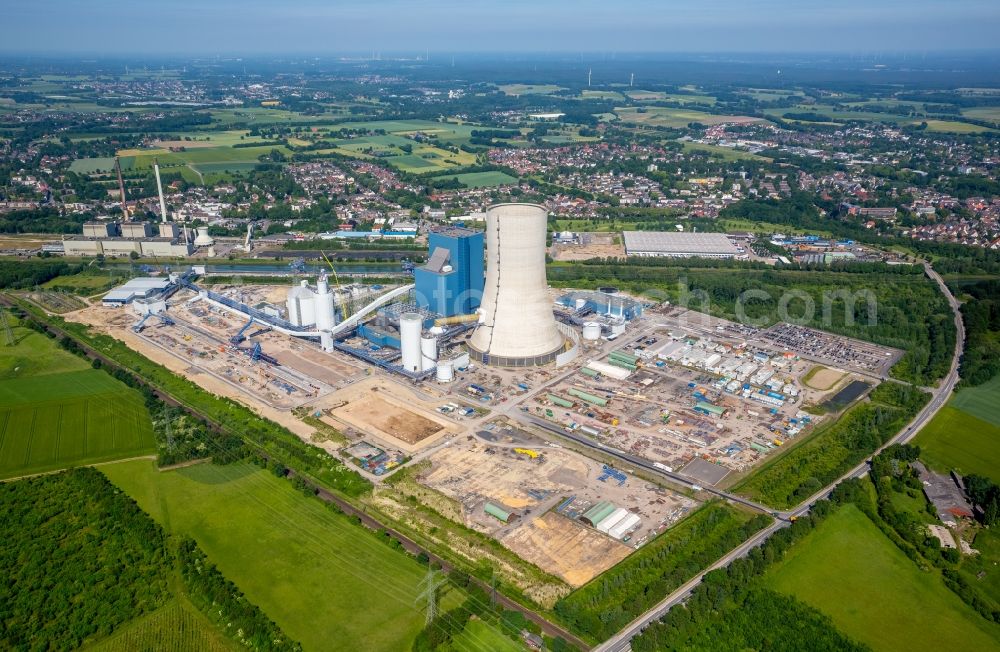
239 337
141 324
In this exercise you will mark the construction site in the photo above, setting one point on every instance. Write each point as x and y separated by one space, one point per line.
516 403
531 495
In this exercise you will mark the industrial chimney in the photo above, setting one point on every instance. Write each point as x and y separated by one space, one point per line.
516 328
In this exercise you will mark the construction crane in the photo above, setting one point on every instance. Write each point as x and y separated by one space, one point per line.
121 188
336 279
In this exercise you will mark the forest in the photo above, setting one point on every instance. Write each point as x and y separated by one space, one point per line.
79 558
981 318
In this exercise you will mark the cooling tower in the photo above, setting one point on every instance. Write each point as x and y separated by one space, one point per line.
517 328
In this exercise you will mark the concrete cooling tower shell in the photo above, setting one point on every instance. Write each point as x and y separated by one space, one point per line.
517 328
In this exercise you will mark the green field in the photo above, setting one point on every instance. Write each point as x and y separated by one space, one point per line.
315 573
91 165
982 401
173 628
725 153
480 179
954 127
656 116
875 594
35 355
991 113
67 419
529 89
957 440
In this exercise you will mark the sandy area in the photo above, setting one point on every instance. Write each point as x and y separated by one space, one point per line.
566 549
824 379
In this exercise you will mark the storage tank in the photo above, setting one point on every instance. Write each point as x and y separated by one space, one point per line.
410 325
323 304
445 371
591 331
428 353
517 328
301 311
203 239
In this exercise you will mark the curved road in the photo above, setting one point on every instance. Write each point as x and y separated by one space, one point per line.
939 396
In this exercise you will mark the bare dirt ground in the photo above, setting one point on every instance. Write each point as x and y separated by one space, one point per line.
595 245
98 317
565 548
388 411
824 379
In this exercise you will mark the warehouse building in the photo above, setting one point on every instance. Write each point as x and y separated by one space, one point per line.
137 288
679 245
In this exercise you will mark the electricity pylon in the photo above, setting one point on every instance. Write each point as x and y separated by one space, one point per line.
429 587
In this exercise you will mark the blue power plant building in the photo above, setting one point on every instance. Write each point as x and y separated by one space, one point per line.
451 281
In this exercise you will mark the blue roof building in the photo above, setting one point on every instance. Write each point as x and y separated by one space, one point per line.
451 281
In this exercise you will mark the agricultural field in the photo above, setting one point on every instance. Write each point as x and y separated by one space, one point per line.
34 354
260 531
173 628
652 96
480 179
215 158
422 157
955 439
980 401
92 165
529 89
953 127
588 94
725 153
991 113
478 636
876 594
66 419
656 116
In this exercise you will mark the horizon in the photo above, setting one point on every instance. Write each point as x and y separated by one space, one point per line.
314 28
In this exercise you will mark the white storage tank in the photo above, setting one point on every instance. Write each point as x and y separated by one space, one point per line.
301 311
591 331
445 371
410 325
428 353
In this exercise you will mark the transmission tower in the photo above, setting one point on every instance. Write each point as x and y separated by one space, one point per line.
429 587
8 333
168 429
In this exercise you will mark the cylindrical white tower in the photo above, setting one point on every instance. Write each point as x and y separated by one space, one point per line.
326 341
323 304
428 353
591 331
445 371
300 305
410 325
517 328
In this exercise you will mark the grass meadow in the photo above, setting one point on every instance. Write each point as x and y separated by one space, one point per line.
59 420
314 572
874 593
954 439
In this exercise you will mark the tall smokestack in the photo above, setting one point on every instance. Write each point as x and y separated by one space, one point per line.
159 189
517 327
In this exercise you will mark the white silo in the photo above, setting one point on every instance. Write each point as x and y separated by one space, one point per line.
517 328
301 311
591 331
410 325
428 352
323 305
445 371
326 341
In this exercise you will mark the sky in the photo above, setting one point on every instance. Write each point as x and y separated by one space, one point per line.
318 27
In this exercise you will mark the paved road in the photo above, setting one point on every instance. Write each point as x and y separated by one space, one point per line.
939 396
